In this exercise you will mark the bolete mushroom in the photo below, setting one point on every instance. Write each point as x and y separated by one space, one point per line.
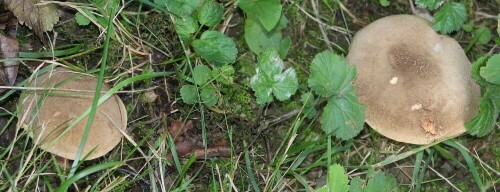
56 99
414 82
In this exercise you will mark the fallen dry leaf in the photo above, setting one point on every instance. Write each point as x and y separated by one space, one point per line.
39 18
9 48
185 146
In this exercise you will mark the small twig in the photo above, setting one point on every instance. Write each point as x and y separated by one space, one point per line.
266 124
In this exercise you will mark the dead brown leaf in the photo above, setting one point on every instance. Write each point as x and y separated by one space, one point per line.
39 18
9 48
185 146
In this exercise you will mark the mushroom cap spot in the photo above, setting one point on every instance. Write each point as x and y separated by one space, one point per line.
394 81
416 106
432 71
67 95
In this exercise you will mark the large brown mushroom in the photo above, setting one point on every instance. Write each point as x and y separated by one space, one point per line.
414 82
59 97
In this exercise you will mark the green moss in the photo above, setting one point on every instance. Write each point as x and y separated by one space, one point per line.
238 101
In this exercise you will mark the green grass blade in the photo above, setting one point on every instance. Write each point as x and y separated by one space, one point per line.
470 162
395 158
420 179
416 168
251 177
302 180
77 176
56 53
445 153
93 109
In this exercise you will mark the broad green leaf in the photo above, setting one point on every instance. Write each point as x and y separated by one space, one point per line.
189 94
268 12
270 78
483 35
384 3
391 184
81 20
330 74
475 71
285 85
376 183
484 122
259 39
468 26
450 17
225 75
429 4
343 116
179 7
201 74
337 179
216 48
210 13
356 184
209 95
491 72
185 26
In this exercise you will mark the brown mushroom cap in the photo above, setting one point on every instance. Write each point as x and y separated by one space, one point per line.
70 95
415 83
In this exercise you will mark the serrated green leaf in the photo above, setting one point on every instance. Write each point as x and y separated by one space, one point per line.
179 7
268 12
259 39
270 78
185 26
475 71
201 74
483 35
429 4
491 72
376 183
189 94
81 20
210 13
356 184
337 178
209 95
216 48
450 17
484 122
343 116
330 74
384 3
391 184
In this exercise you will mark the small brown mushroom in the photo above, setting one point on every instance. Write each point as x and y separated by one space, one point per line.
59 97
414 82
